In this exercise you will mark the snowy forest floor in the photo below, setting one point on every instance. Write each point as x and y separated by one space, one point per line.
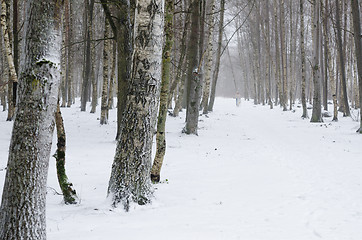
251 174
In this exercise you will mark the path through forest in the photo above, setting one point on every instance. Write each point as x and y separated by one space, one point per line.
252 174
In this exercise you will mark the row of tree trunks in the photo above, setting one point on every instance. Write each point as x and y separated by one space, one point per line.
181 60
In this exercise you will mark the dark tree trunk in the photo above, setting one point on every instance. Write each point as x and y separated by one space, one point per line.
358 44
193 71
88 59
317 107
346 111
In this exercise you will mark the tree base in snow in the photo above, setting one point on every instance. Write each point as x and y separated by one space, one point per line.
155 178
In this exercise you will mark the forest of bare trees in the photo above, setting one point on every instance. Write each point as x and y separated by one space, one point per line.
295 52
150 59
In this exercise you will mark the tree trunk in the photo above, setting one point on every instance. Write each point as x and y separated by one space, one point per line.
325 38
130 177
69 194
104 103
193 71
94 76
292 47
124 63
218 57
181 61
302 50
64 56
178 104
284 56
70 56
358 46
162 115
22 214
88 59
346 111
269 57
317 108
113 76
278 75
122 27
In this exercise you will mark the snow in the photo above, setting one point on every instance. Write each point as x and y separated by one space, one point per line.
252 173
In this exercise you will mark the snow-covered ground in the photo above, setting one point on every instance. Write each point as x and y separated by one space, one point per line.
251 174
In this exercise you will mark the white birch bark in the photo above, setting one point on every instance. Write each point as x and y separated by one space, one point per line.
130 177
209 55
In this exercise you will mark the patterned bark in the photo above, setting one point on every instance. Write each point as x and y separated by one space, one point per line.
104 103
130 177
22 213
162 115
208 59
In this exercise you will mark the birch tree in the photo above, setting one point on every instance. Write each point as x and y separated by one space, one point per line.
162 115
130 177
104 101
22 213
